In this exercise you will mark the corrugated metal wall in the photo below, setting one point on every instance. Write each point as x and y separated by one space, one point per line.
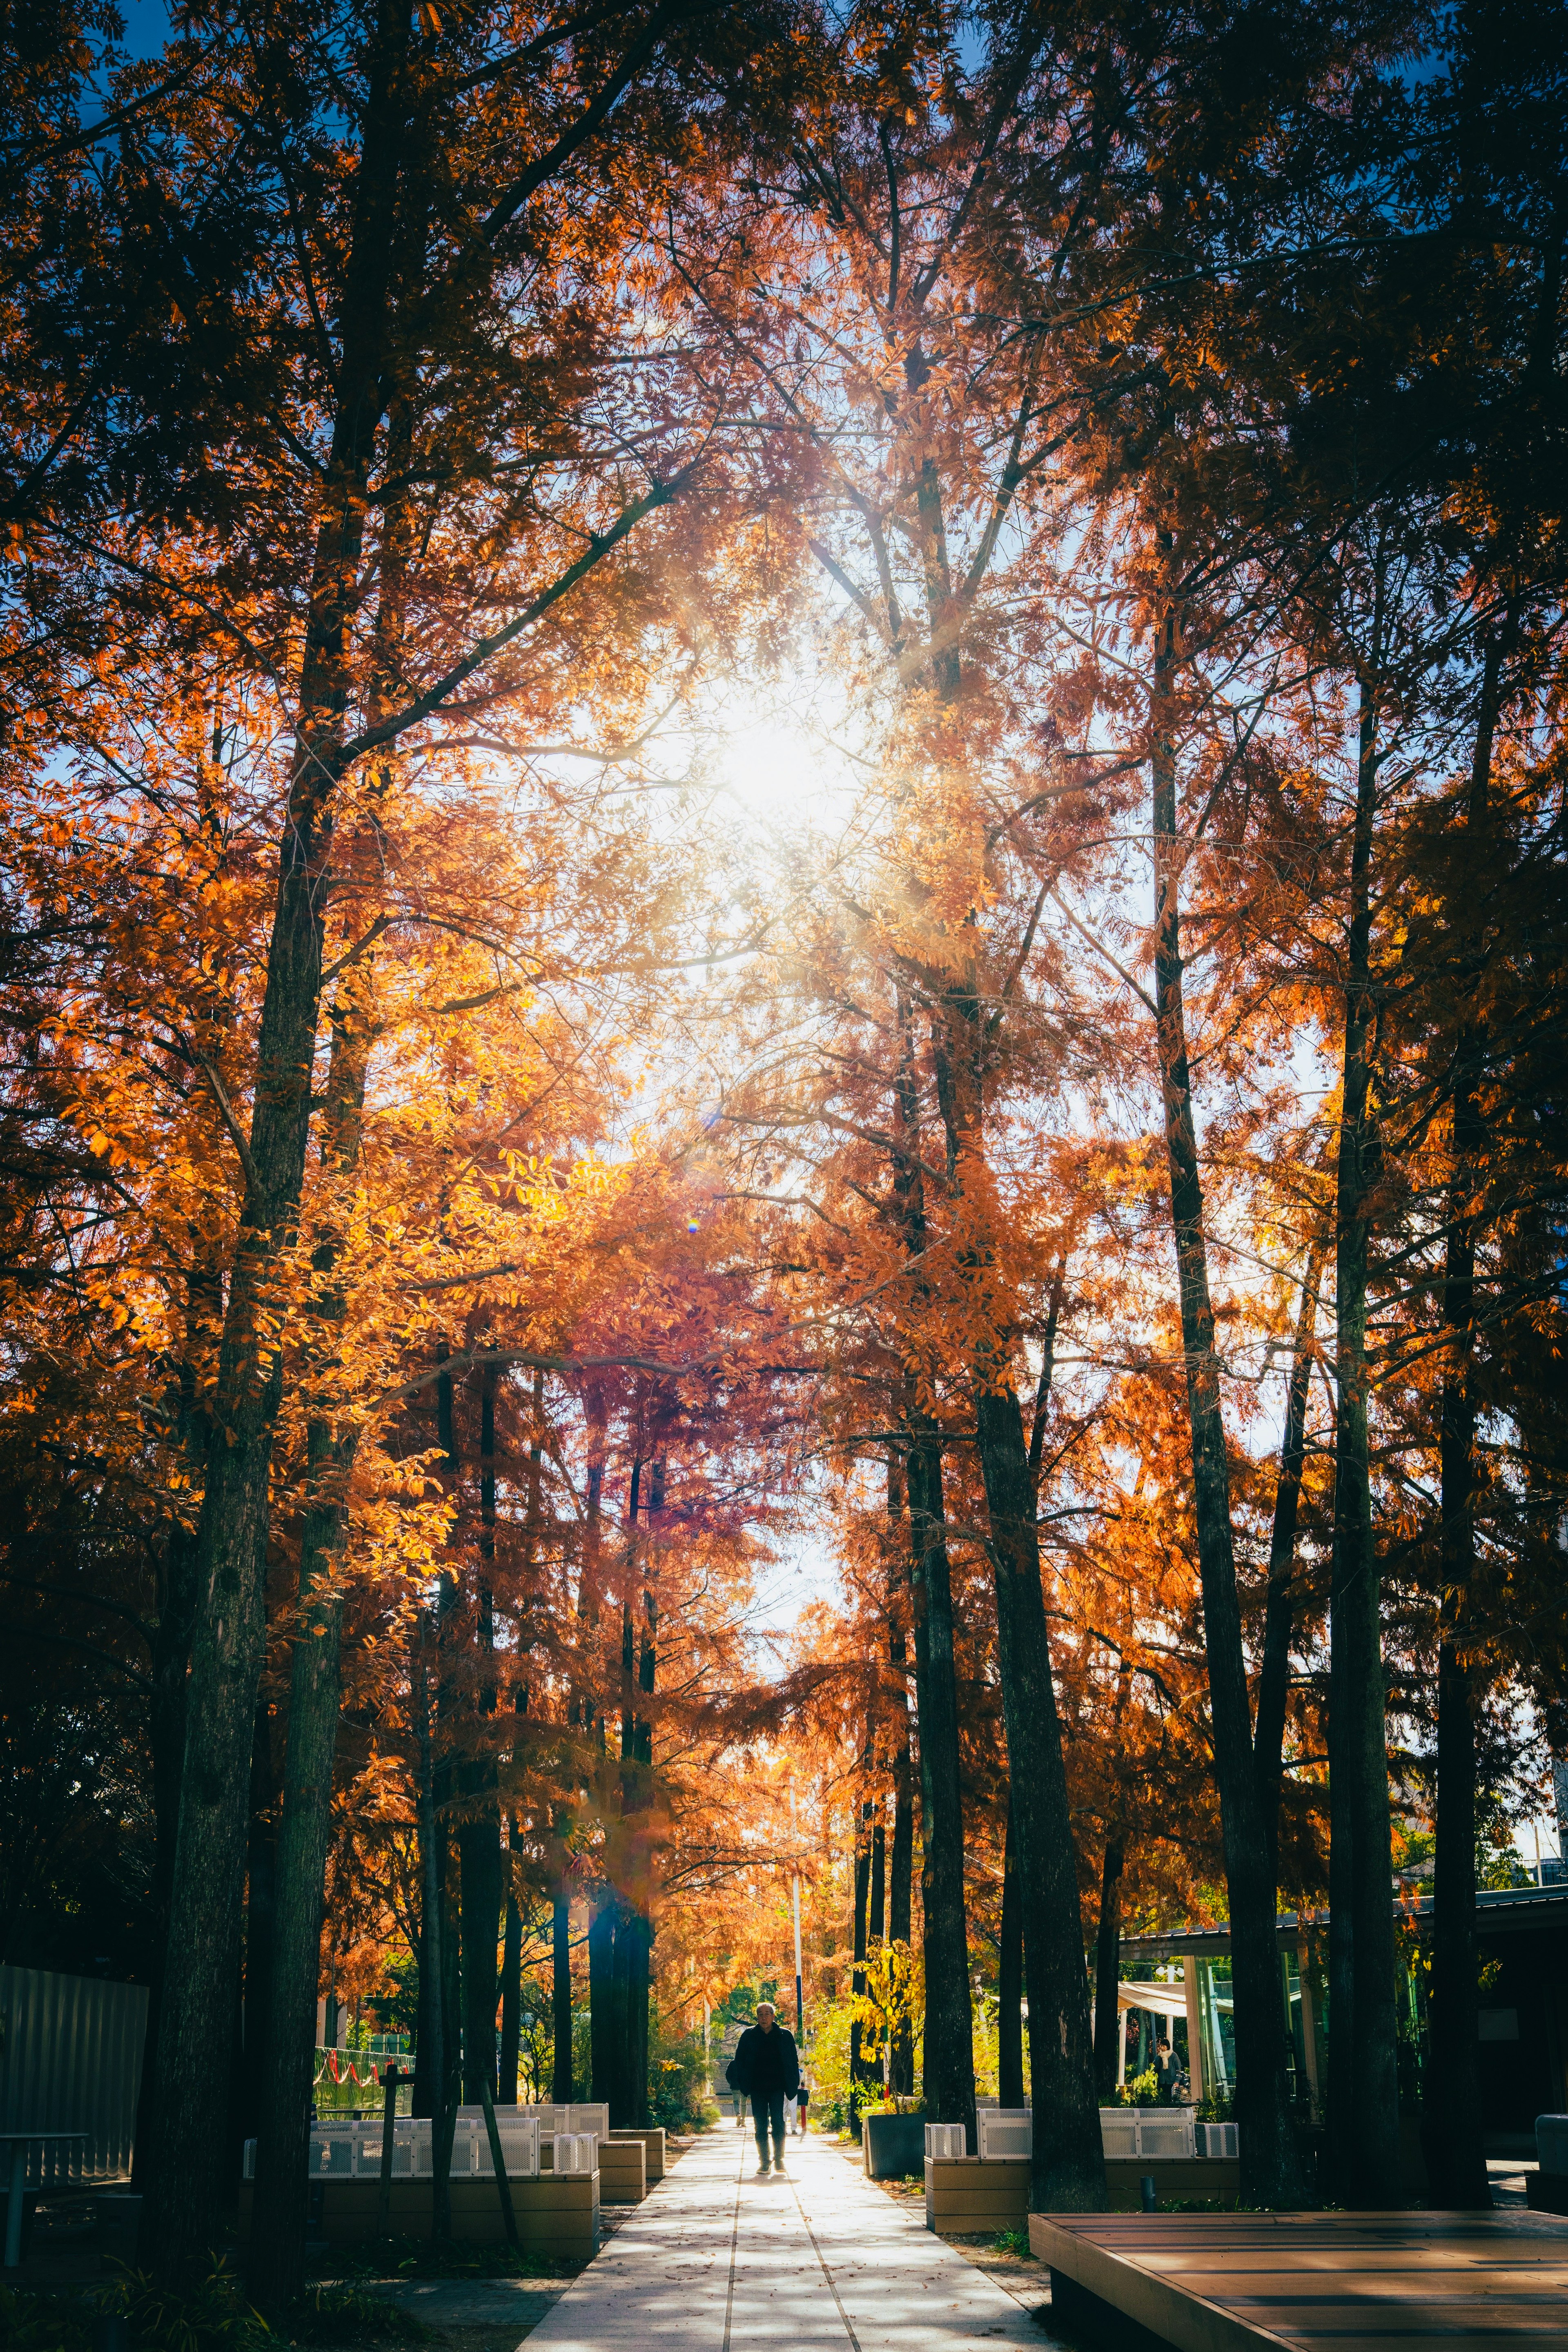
70 2060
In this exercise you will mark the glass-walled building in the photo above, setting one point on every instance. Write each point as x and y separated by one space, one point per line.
1523 1940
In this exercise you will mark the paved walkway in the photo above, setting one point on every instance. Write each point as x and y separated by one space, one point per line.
818 2261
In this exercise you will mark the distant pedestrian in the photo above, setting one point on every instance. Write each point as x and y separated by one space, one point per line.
766 2070
801 2099
1167 2073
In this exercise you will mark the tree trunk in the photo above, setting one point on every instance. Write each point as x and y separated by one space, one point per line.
637 1933
261 1879
860 2070
186 2181
1455 2155
430 2051
560 1973
276 2265
949 2022
1010 1978
1108 1971
1069 2170
1280 1608
480 1857
900 1890
1270 2161
1363 2074
171 1658
877 1901
1452 2141
510 1993
274 2270
606 2033
560 1998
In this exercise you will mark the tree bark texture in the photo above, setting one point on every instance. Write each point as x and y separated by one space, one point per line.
510 1994
1069 2167
261 1879
860 2071
1455 2152
276 2268
949 2024
901 1870
1280 1607
1364 2077
186 2180
1270 2162
607 2031
949 2027
560 1974
479 1858
1108 1971
1010 1978
430 2049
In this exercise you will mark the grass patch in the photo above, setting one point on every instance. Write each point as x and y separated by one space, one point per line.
347 2315
1011 2241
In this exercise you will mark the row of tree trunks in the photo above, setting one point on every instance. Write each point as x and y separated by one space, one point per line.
1363 2082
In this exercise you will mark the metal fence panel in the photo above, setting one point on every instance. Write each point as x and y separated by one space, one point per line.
70 2060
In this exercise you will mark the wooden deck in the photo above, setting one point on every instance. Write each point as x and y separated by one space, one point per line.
1311 2281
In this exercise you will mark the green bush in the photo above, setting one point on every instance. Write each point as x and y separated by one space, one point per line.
43 2323
679 2093
210 2316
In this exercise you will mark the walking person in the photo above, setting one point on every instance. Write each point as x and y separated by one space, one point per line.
766 2070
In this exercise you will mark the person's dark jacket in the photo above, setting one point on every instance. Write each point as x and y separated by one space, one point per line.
765 2065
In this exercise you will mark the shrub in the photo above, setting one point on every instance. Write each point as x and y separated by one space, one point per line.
43 2323
210 2316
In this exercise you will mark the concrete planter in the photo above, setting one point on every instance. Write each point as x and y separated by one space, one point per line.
554 2216
892 2144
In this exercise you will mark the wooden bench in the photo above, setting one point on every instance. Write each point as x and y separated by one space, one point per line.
1313 2281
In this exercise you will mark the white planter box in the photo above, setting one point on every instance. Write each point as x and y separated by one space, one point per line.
945 2140
1005 2132
1216 2140
352 2151
1147 2131
576 2152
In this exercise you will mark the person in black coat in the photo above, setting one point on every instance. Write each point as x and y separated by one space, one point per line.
766 2070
